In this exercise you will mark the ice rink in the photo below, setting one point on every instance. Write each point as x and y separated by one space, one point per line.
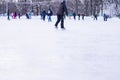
34 50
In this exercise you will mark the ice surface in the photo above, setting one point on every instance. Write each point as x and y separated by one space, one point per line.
34 50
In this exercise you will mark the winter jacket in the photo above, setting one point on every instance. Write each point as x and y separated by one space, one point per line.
62 8
49 13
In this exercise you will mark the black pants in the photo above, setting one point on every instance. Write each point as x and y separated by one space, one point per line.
60 18
105 17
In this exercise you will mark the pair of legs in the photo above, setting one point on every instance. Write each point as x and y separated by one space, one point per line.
105 18
49 19
60 18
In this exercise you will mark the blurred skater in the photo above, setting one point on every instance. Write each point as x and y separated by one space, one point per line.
60 14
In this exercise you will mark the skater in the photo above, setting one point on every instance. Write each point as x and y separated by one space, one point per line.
60 14
78 16
105 17
43 15
14 15
95 16
83 15
74 16
49 13
19 15
27 16
8 15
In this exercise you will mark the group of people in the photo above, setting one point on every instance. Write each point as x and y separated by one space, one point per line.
49 13
62 10
60 14
28 15
105 17
14 15
74 15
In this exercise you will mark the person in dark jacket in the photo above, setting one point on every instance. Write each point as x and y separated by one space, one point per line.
49 13
105 16
74 16
60 14
95 16
78 16
83 15
8 14
27 16
43 15
19 15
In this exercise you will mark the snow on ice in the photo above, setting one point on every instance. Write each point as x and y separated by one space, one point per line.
34 50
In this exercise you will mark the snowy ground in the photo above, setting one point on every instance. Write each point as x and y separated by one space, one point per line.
35 50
